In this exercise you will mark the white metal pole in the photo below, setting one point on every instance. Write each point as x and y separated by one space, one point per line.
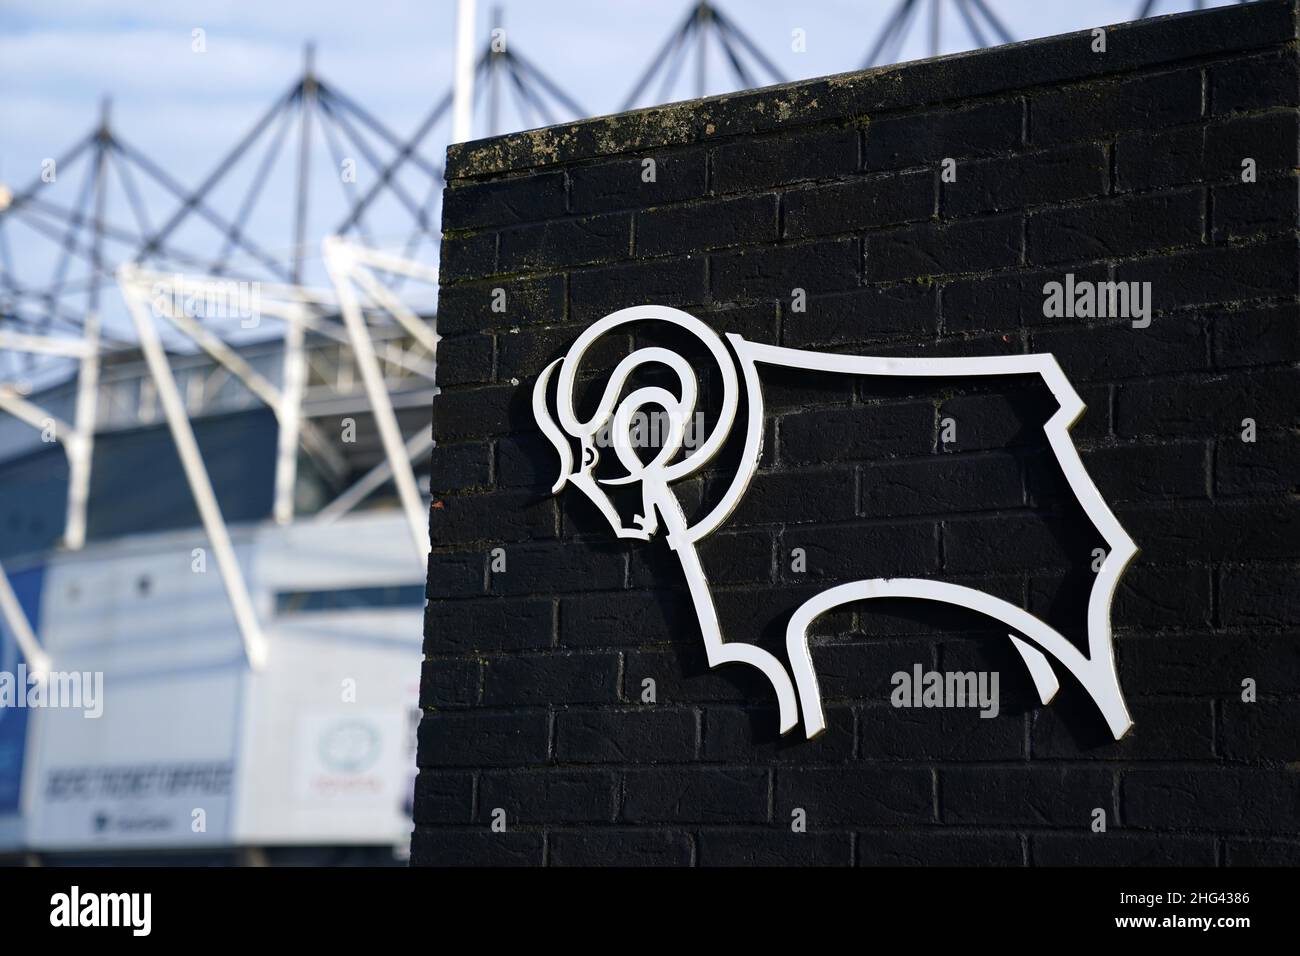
338 262
196 474
34 415
463 82
348 499
289 418
12 614
44 345
81 451
405 316
312 440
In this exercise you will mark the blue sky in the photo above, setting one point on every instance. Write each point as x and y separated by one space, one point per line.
185 109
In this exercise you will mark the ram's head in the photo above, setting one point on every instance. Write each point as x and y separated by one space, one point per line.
613 426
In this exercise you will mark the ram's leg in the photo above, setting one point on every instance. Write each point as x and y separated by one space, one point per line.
1043 676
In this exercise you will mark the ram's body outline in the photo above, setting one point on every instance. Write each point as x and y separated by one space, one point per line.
1096 670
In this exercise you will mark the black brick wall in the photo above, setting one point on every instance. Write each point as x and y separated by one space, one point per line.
1124 165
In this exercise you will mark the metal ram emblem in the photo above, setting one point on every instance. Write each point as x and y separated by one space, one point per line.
1039 645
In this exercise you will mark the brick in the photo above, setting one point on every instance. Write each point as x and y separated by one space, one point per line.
469 307
757 163
476 412
526 198
443 797
757 323
549 246
786 388
872 432
797 497
1261 732
750 735
1020 541
1163 729
1210 799
467 257
1155 597
881 549
1114 229
557 568
695 795
493 518
1256 336
1259 595
898 733
1262 853
774 847
547 796
1216 275
1222 532
1209 406
1266 466
1120 849
449 682
1133 472
494 624
543 679
634 618
716 224
945 484
1103 106
862 667
683 675
526 461
862 315
1030 179
774 271
1118 350
1269 139
480 739
618 847
759 615
463 466
478 847
1255 83
465 360
1150 160
910 140
854 795
523 353
739 558
619 184
1006 300
859 204
939 847
594 293
455 574
1243 210
975 245
1211 664
990 422
1040 796
645 735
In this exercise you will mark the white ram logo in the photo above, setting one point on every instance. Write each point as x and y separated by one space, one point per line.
797 689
